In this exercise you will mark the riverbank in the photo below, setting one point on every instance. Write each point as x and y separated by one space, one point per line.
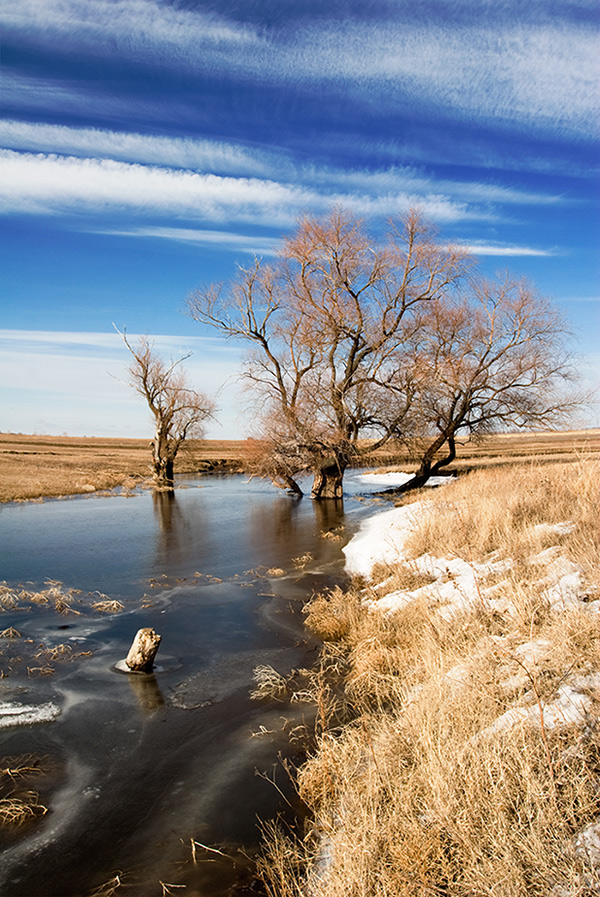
458 696
37 467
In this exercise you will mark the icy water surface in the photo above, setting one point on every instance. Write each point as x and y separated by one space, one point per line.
136 767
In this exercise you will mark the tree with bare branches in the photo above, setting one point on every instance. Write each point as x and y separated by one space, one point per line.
491 357
327 326
179 412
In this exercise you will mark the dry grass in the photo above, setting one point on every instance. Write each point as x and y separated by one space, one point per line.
56 597
450 770
269 684
18 804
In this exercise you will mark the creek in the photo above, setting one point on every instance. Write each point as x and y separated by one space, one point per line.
137 767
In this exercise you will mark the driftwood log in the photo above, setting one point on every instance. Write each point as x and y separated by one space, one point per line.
143 651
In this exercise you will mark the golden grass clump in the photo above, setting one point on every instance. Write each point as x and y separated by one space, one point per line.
19 804
513 511
269 683
467 759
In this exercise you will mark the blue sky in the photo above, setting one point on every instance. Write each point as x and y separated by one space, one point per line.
150 146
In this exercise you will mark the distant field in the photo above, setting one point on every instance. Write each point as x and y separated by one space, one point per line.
44 466
34 467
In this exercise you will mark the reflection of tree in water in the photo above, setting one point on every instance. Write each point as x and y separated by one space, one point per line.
166 509
329 514
178 534
288 525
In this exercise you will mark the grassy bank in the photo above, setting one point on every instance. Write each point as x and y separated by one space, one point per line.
457 747
34 467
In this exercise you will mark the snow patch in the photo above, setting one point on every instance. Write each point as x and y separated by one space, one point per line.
570 706
381 539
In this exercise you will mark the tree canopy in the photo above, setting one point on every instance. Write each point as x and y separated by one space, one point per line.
353 342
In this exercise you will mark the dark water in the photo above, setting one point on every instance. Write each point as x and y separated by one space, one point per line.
137 766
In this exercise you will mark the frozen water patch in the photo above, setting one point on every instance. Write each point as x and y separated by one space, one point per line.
357 483
15 714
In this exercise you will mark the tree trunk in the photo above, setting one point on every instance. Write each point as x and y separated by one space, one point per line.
163 467
292 486
328 481
143 651
427 469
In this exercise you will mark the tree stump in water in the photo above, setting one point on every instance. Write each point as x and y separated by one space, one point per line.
143 651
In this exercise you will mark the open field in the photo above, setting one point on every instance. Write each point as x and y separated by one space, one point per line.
33 467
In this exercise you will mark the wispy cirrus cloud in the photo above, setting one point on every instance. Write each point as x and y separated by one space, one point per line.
50 184
536 72
501 249
233 159
252 245
190 153
538 75
134 25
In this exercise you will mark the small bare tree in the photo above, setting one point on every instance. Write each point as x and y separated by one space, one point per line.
179 412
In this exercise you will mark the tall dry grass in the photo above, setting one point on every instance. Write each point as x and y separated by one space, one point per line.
442 769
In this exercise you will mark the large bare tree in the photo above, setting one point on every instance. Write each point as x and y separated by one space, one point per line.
490 358
179 412
326 326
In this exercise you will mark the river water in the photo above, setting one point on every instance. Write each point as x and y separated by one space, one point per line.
135 768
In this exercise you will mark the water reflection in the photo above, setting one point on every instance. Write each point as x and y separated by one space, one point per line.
285 521
329 514
165 510
147 692
181 527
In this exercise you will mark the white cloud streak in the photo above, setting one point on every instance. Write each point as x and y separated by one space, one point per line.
50 184
206 156
223 239
499 249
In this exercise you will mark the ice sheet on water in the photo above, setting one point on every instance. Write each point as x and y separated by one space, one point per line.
14 714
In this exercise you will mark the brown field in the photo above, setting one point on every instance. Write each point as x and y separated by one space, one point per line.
35 467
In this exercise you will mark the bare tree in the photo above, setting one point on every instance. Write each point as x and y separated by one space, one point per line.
491 358
326 326
179 412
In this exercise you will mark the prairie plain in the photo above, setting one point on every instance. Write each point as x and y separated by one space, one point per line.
36 467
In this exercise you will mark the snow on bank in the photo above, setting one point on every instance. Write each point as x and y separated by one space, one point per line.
374 482
456 585
381 539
